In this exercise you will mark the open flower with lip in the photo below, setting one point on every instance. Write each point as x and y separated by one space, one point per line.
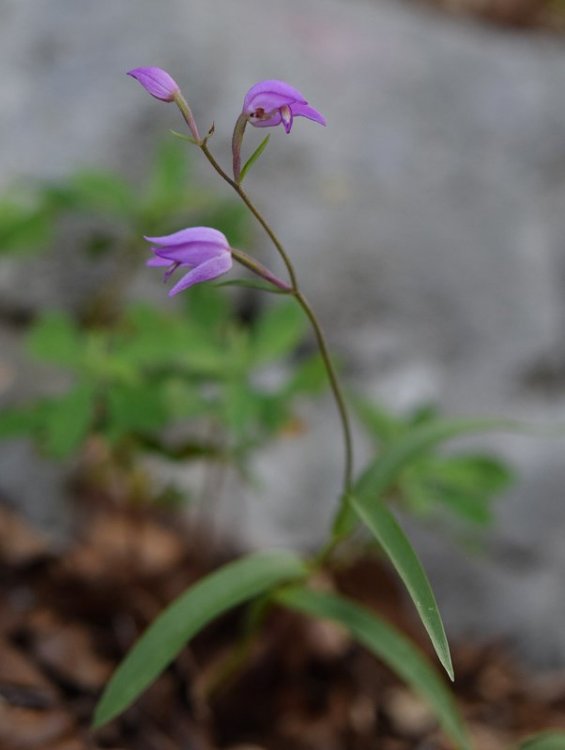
270 103
203 250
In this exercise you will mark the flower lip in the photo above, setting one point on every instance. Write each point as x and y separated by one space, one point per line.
156 82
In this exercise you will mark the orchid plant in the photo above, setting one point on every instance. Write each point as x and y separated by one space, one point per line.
278 578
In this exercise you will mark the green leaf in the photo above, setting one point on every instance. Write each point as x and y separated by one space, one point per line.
135 409
393 648
167 183
183 400
264 286
309 377
184 137
23 227
478 474
383 525
55 338
17 422
278 331
208 308
101 192
67 420
382 426
549 740
253 158
229 217
224 589
470 506
384 471
240 406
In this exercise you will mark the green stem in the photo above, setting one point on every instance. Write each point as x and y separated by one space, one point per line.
335 386
245 198
332 375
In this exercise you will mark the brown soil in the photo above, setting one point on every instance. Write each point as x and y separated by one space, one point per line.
67 618
548 15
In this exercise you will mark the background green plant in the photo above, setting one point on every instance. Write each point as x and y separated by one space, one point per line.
201 380
135 372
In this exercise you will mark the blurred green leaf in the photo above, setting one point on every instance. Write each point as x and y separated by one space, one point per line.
384 526
67 420
550 740
423 414
56 338
231 218
168 181
240 406
101 193
470 506
480 474
208 308
382 426
386 467
24 225
183 400
465 484
19 421
187 615
272 410
309 377
278 331
393 648
135 409
385 470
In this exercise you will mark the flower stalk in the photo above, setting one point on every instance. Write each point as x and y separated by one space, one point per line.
296 292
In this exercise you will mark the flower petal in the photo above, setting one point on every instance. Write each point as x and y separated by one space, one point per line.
210 270
286 117
157 82
191 254
156 262
192 234
305 110
270 95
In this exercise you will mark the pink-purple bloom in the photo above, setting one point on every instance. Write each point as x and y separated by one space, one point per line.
157 82
271 103
203 250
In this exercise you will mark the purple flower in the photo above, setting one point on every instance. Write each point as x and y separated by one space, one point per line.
269 103
157 82
203 250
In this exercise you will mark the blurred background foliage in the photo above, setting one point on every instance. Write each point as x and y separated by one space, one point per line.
198 379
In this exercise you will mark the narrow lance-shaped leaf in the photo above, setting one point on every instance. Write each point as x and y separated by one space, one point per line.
184 137
253 158
545 741
187 615
393 648
383 525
